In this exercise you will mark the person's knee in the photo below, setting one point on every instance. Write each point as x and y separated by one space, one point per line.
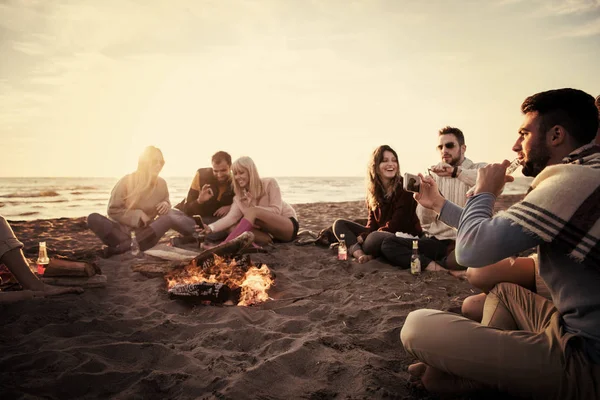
336 225
478 278
415 326
472 307
94 219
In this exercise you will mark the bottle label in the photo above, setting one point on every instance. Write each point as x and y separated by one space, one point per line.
415 266
41 268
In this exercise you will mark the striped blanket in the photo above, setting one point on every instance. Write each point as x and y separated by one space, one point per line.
563 206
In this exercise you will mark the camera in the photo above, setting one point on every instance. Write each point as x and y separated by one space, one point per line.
412 183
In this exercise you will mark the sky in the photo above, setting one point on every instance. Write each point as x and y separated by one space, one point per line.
304 87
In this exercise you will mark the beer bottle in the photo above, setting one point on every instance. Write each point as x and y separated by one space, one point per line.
415 261
135 247
43 260
342 249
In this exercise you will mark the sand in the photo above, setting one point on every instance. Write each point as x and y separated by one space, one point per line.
330 331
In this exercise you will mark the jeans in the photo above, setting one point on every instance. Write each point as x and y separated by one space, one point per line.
399 250
371 245
114 234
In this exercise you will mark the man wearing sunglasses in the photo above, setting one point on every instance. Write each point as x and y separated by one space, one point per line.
455 175
526 345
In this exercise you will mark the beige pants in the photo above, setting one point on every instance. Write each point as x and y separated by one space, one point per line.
519 348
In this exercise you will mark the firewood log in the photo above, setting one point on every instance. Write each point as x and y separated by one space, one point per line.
60 267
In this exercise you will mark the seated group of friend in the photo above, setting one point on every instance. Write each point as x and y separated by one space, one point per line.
534 331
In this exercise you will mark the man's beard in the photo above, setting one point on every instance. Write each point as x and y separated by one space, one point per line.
537 160
456 160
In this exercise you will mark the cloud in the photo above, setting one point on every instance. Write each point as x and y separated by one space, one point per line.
556 7
587 29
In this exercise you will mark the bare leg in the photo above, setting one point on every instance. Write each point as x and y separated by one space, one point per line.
279 226
521 272
16 262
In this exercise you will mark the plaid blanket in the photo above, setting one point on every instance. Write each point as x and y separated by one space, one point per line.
563 206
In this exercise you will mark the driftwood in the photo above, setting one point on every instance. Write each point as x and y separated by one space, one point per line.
61 267
84 282
171 253
158 268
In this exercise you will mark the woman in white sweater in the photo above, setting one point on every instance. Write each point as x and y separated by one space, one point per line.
257 207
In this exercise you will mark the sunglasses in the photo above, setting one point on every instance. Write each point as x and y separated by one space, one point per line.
449 146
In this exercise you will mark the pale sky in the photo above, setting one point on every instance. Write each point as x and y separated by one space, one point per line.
304 87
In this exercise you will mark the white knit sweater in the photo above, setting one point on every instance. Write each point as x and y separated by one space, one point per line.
453 189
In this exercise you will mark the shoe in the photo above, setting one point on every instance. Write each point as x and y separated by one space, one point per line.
109 251
179 241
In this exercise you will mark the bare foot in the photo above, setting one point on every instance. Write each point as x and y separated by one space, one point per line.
361 257
433 266
436 381
11 297
50 290
364 258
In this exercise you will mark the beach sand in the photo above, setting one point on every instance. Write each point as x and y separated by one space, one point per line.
330 331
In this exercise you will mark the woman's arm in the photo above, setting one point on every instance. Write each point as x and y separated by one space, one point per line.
273 193
118 211
371 226
232 217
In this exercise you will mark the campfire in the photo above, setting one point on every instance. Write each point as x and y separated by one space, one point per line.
221 280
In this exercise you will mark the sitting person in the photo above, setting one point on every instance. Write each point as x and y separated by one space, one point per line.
139 202
525 344
211 192
391 209
455 175
257 207
12 257
522 271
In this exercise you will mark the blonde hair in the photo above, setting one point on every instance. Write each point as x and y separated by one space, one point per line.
254 183
144 177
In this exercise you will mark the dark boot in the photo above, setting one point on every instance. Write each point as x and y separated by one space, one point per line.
146 238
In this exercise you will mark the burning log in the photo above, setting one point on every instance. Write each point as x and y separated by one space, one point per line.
218 280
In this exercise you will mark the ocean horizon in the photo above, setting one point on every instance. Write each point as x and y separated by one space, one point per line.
33 198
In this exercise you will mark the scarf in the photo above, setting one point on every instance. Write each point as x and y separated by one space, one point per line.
562 206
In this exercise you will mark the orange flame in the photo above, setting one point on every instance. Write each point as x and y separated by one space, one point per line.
254 282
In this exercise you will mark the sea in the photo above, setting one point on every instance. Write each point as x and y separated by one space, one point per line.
45 198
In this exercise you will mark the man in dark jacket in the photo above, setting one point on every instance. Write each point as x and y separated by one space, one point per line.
211 191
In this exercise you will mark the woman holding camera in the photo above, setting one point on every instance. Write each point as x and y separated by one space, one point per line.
391 208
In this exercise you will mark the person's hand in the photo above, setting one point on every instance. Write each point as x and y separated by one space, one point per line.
205 229
442 169
491 178
163 207
246 197
359 239
429 195
144 220
205 194
222 211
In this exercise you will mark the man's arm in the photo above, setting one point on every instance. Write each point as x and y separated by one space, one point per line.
483 240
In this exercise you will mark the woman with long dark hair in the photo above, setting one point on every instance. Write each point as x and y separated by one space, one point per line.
391 208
